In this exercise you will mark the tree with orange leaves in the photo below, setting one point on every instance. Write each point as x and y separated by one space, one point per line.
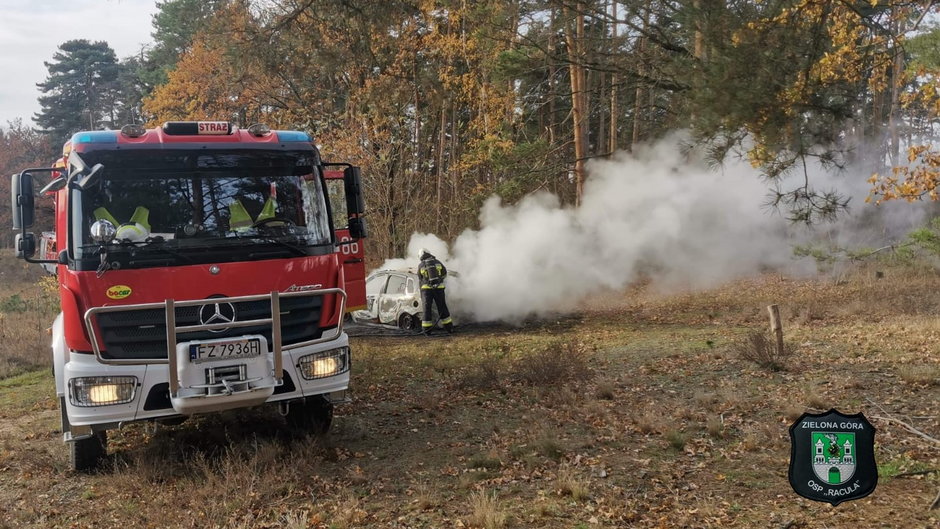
212 80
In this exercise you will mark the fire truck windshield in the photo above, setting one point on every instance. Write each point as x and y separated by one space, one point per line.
183 205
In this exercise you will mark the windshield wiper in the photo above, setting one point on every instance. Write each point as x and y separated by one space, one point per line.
257 236
296 249
161 245
133 248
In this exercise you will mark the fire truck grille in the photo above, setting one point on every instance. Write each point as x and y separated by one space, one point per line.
141 334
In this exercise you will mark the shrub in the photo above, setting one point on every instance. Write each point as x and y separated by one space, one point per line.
676 438
761 349
486 374
568 484
486 511
557 364
14 304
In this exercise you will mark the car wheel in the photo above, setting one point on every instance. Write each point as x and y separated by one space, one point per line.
407 322
86 455
312 414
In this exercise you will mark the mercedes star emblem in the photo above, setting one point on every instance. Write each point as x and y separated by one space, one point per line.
216 313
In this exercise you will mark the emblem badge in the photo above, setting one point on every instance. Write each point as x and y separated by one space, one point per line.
216 313
832 457
118 291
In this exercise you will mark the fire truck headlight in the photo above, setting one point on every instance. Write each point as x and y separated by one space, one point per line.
325 364
102 391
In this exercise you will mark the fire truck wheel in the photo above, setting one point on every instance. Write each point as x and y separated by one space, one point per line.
313 415
86 455
407 322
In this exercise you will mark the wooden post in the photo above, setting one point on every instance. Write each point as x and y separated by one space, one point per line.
776 328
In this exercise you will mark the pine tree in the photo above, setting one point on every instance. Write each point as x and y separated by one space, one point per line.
79 90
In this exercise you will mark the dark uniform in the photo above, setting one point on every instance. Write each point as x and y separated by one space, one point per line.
431 275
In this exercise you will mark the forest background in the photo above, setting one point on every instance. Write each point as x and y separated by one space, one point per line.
445 103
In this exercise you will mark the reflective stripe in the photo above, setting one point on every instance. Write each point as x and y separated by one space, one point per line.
133 232
141 216
267 212
426 324
445 321
104 214
239 219
429 287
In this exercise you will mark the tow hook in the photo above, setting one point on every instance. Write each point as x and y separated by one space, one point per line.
283 408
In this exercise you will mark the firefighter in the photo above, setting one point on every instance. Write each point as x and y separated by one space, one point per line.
431 276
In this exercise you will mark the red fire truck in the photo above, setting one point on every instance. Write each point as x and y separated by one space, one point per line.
201 268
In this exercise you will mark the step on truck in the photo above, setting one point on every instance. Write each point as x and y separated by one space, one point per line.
201 268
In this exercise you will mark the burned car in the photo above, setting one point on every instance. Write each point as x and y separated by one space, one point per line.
393 297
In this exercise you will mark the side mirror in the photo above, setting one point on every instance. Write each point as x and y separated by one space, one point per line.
93 176
355 204
21 191
55 185
76 161
25 245
357 228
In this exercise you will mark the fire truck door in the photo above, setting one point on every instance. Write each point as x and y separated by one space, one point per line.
352 251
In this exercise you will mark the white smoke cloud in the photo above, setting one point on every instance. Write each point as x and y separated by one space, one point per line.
657 214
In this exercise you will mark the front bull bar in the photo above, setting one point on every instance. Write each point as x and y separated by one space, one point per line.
169 307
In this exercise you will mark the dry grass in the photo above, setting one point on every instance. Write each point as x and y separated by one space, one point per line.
793 412
469 480
676 438
558 363
28 304
920 375
485 511
706 399
567 483
486 374
759 347
814 399
649 422
348 512
550 447
420 448
715 427
425 498
605 390
488 461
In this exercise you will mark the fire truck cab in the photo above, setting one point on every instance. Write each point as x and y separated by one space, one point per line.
201 267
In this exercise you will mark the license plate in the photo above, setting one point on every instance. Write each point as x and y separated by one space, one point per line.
207 352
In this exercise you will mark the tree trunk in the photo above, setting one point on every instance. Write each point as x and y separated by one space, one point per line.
601 115
441 142
574 37
897 74
640 88
612 134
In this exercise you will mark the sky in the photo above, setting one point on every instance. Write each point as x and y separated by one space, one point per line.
32 30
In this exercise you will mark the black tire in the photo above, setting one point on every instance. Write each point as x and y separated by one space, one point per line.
407 322
86 455
312 415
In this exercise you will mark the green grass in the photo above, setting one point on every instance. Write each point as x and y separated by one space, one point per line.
902 464
20 392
